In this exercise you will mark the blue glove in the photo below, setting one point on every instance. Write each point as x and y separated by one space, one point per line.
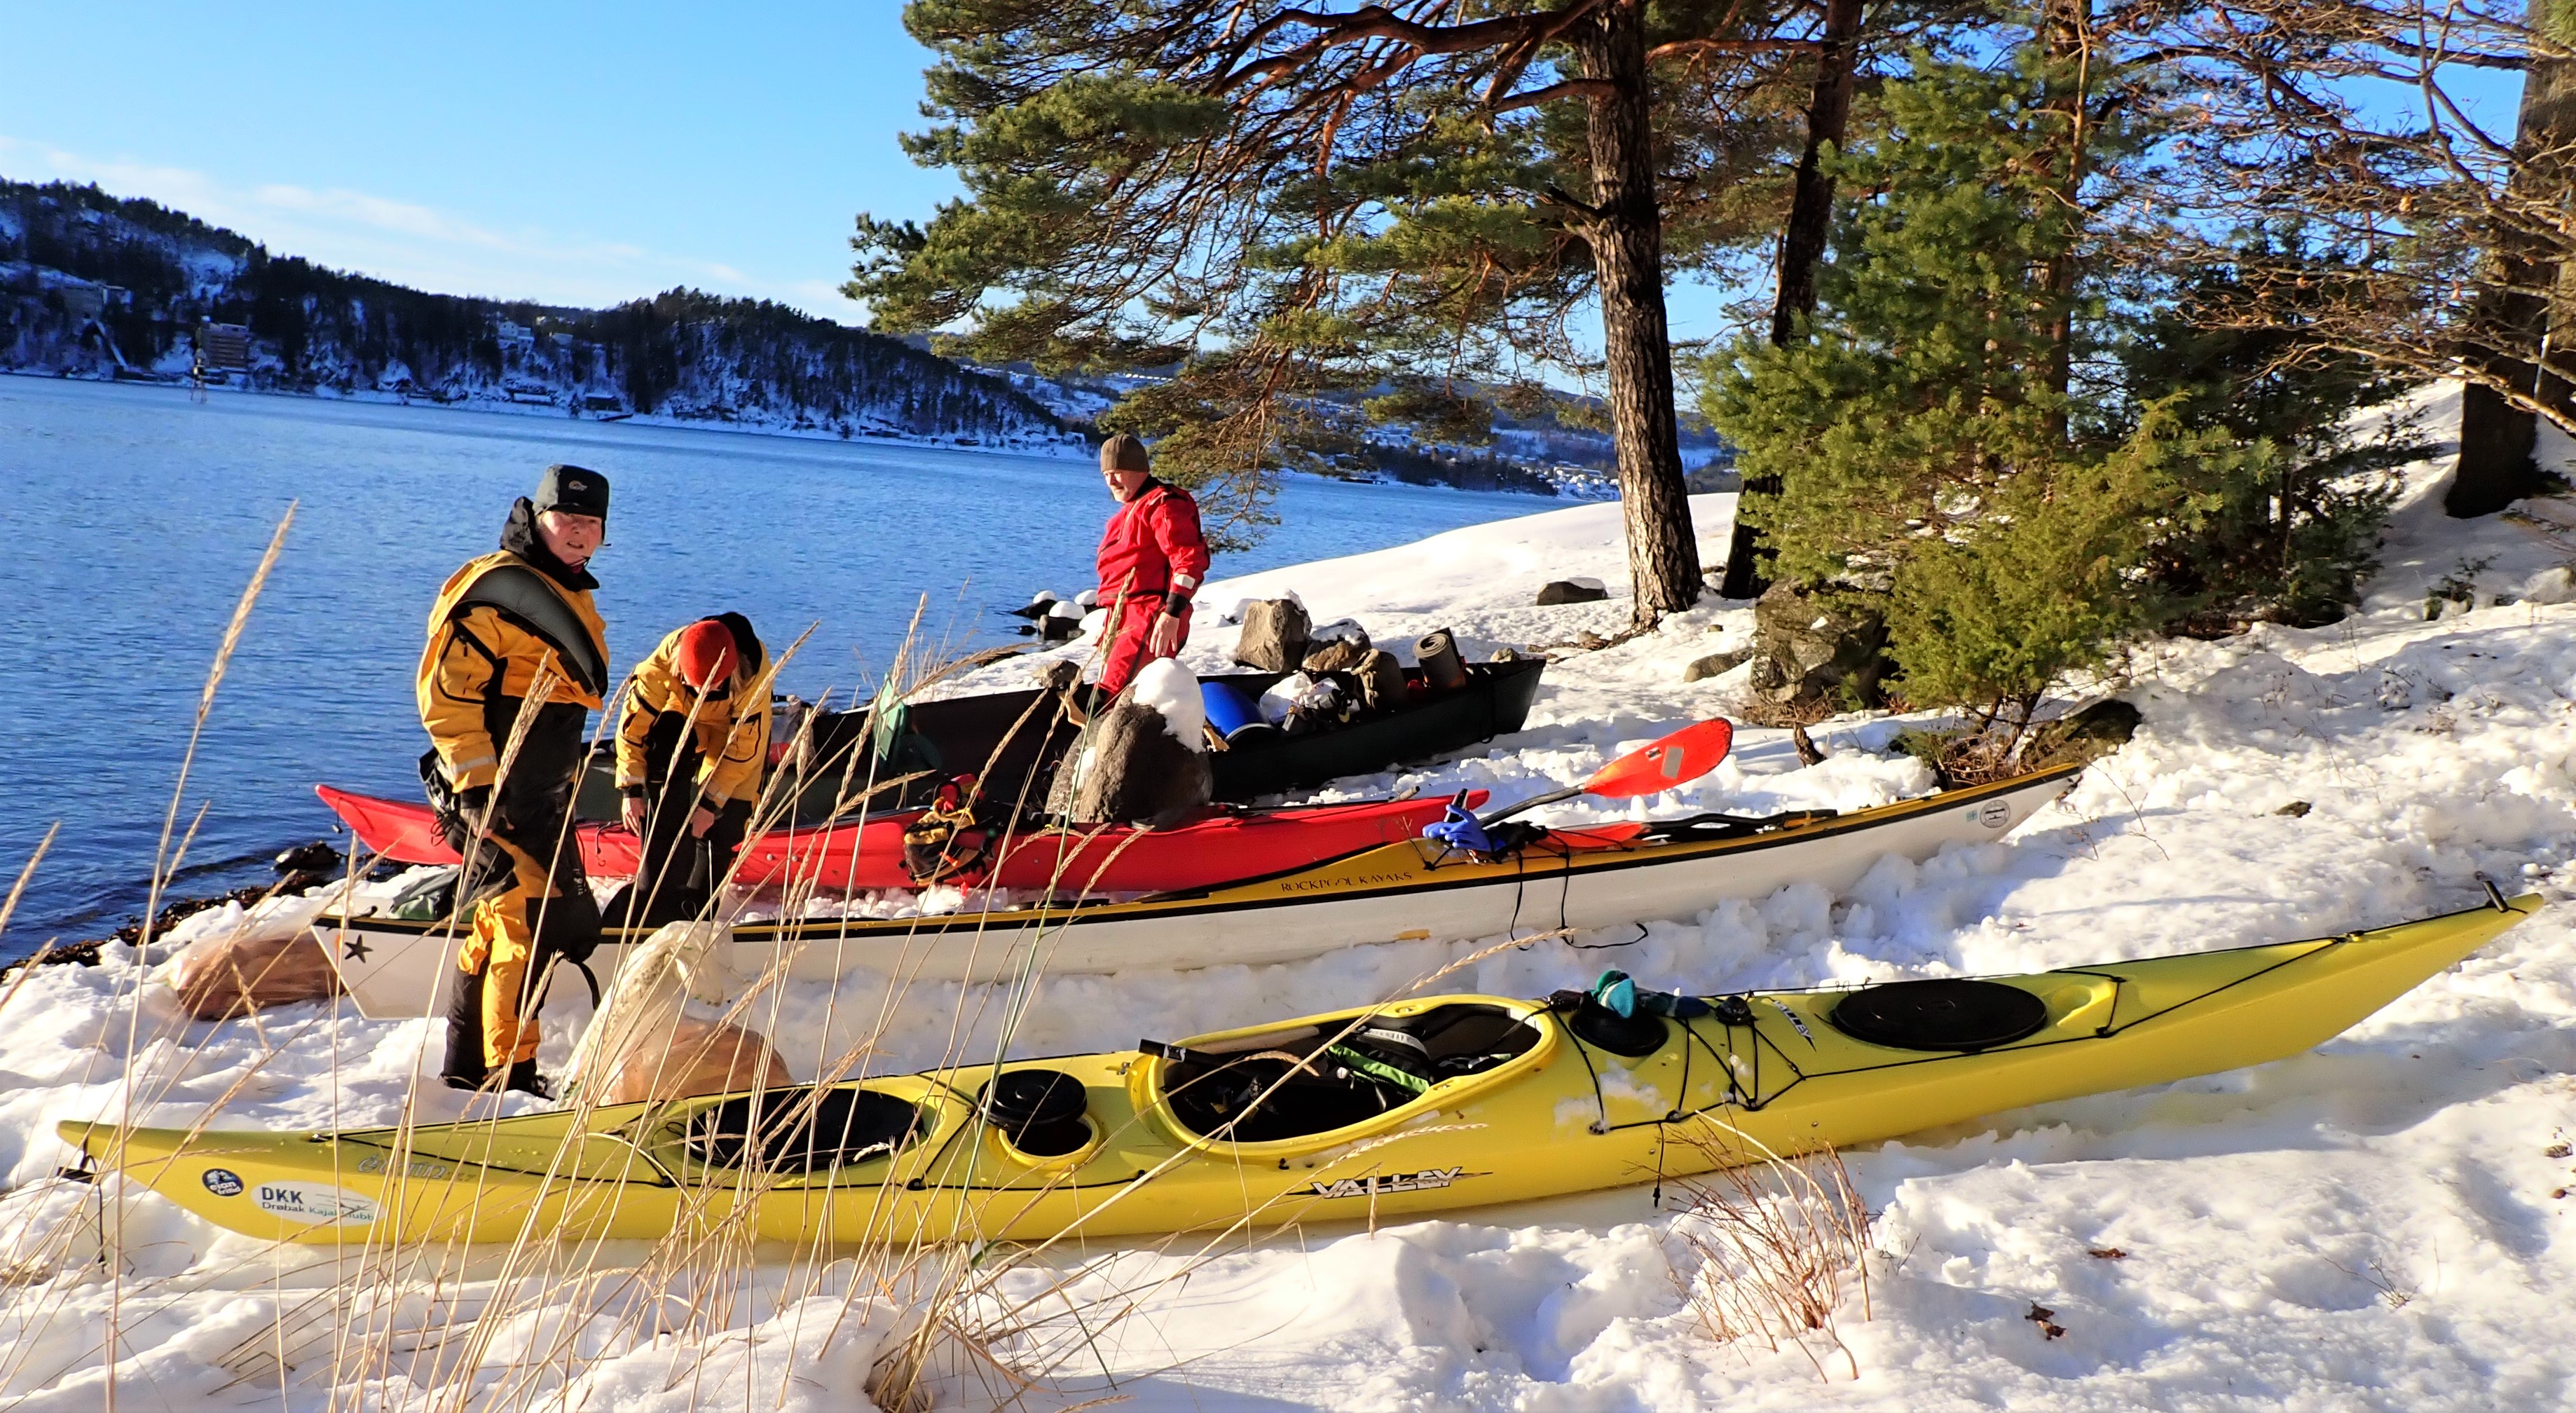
1461 830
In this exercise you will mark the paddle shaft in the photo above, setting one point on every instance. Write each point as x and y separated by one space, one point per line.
1533 802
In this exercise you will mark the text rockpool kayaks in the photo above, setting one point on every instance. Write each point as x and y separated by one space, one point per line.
1416 1107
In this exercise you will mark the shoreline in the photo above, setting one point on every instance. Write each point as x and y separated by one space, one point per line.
1074 451
1049 451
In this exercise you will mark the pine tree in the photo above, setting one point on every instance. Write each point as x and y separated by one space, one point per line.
2290 535
1294 207
1939 457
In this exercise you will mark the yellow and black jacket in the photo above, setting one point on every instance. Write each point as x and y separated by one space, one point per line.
499 623
731 732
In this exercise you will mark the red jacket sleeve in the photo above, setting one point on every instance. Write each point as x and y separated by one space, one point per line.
1176 533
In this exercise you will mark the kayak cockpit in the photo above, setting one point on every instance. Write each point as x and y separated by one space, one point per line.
804 1129
1321 1081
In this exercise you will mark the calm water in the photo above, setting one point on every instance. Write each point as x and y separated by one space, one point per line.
133 518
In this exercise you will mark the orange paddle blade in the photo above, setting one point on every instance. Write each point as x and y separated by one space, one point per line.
1686 754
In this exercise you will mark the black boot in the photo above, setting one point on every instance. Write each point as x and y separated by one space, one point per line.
464 1068
524 1078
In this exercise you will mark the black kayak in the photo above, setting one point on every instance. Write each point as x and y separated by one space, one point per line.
1013 741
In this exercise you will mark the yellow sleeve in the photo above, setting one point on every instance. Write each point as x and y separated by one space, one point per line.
648 694
457 675
736 776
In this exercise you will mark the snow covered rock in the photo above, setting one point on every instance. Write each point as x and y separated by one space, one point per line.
1336 647
1144 761
1173 692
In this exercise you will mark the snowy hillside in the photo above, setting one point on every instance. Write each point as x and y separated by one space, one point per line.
97 287
2372 1225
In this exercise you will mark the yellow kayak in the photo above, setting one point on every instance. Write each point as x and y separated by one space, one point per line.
1397 1110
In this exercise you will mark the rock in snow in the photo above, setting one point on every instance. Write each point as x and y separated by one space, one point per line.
2371 1225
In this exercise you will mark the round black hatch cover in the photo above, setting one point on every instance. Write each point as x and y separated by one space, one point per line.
1034 1096
1040 1111
1942 1014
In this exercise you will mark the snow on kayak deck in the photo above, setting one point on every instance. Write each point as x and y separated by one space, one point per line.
2376 1224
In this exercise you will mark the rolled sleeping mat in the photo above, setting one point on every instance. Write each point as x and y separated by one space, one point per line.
1233 712
1442 668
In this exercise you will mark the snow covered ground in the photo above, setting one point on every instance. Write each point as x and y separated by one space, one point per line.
2375 1224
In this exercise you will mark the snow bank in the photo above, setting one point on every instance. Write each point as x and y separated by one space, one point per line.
2374 1224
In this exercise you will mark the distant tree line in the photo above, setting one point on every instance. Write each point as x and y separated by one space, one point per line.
684 353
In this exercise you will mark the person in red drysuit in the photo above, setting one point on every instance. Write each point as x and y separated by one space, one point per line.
1151 561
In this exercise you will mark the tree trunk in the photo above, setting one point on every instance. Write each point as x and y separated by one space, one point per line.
2496 440
1811 200
1802 245
2513 316
2067 30
1626 232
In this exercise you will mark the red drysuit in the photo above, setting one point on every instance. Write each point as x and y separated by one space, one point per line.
1151 549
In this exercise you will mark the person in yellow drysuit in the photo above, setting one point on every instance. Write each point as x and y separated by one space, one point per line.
691 741
515 646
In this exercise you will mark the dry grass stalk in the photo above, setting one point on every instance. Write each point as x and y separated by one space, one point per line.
1774 1241
18 889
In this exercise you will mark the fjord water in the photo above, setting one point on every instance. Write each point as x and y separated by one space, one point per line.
134 518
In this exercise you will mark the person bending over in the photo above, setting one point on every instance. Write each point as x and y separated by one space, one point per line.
690 745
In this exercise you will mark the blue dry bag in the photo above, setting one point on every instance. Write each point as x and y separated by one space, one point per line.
1232 711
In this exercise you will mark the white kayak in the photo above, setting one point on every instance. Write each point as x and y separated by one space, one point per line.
1407 891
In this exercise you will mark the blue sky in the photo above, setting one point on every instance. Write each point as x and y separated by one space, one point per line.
578 155
574 154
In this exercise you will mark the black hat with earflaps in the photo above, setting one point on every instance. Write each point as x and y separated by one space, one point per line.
574 490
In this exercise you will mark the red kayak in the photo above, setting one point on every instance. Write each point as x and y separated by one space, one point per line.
1220 846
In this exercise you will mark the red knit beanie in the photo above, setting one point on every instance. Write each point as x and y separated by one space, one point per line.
706 654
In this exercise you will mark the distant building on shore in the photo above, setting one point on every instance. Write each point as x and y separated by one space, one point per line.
223 348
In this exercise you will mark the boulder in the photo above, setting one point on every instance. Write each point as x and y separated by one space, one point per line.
1807 649
1131 769
1061 623
1572 591
1716 664
1273 637
691 1057
1339 655
1344 628
2083 737
223 977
